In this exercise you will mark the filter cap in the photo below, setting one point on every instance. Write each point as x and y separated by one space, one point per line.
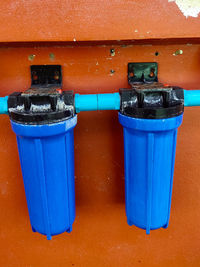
152 101
41 106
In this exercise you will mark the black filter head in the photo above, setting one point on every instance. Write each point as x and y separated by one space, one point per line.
41 106
152 101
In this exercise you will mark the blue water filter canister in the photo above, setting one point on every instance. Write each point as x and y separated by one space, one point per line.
150 119
46 150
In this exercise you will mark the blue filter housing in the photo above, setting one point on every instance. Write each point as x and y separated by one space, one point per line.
149 155
47 161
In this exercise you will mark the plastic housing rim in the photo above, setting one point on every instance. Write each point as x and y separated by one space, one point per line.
45 129
150 124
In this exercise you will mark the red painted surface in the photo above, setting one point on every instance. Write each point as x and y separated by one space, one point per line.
101 236
84 20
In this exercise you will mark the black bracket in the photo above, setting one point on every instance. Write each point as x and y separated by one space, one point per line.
142 72
46 76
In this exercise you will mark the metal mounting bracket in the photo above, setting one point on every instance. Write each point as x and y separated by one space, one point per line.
46 76
142 72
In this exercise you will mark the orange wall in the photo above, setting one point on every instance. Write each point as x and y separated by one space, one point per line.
101 236
83 20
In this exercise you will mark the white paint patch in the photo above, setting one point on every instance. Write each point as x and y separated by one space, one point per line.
189 8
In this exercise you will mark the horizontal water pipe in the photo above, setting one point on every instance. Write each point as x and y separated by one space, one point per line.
97 102
107 101
4 105
191 98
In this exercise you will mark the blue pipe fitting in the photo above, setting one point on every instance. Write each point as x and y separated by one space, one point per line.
97 102
4 105
191 98
85 102
108 101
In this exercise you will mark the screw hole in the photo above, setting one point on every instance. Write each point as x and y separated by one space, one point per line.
152 73
34 75
56 75
112 52
156 53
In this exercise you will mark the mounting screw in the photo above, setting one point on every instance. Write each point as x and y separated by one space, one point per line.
56 76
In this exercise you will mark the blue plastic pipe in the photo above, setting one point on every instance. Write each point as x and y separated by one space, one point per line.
112 101
4 105
108 101
85 102
191 98
82 102
97 102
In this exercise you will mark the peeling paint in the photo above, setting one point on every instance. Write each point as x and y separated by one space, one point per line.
189 8
178 52
52 56
31 57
